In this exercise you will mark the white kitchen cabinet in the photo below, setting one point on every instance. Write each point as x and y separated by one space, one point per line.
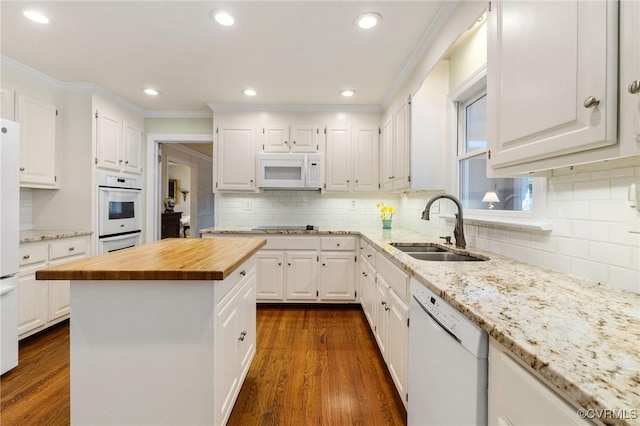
398 342
38 134
235 342
367 290
338 164
43 303
270 272
381 327
7 104
630 77
518 397
365 159
294 138
337 275
118 144
301 275
395 161
352 159
559 95
236 158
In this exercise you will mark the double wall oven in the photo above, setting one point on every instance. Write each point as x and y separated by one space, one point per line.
119 212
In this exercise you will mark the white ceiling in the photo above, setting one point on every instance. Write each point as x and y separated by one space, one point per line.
291 52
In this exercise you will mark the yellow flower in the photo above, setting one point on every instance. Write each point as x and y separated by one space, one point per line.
386 212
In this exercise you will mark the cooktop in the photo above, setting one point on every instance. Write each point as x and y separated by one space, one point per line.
286 228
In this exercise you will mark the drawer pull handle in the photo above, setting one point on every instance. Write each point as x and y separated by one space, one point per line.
72 248
591 101
22 169
26 256
241 338
243 273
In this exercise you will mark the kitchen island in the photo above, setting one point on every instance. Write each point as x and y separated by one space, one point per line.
163 333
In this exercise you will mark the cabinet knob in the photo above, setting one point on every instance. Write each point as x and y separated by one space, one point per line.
26 256
289 264
365 274
368 255
294 142
22 169
241 338
386 308
324 264
591 101
338 244
384 303
251 181
120 161
279 264
634 87
286 143
243 273
126 162
72 248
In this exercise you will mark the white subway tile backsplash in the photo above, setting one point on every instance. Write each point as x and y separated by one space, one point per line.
26 209
557 262
628 278
611 210
611 254
590 230
595 271
592 190
573 247
573 209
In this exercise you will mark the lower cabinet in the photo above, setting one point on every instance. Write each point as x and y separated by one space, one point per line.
367 290
518 397
43 303
337 272
236 340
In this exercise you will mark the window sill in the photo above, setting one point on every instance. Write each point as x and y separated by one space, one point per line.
502 223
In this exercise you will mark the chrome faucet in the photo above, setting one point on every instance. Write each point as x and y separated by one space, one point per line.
458 230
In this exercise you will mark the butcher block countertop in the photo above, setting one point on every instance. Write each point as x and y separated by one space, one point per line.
168 259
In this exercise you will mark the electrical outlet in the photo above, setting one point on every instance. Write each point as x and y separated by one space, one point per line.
248 205
353 205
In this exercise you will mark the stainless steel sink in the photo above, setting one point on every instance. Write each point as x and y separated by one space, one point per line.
417 248
444 256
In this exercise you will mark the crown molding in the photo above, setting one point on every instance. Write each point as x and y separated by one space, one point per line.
444 12
293 108
177 114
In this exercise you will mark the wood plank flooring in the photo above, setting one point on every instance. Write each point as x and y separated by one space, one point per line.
314 365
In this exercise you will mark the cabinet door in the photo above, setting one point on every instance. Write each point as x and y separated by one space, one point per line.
365 159
228 327
108 141
236 158
630 76
132 148
301 279
539 97
32 301
337 276
304 138
367 291
37 141
248 332
402 147
386 155
338 164
270 271
7 104
398 342
381 318
275 139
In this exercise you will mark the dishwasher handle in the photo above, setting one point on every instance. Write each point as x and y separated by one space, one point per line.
449 332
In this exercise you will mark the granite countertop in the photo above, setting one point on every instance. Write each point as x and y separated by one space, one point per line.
172 259
582 337
39 235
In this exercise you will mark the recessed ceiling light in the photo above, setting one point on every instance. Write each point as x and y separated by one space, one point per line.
222 17
151 92
368 20
347 92
36 17
249 92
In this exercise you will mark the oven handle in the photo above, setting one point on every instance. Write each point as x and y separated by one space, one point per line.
118 188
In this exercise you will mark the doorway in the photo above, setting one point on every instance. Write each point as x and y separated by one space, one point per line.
187 162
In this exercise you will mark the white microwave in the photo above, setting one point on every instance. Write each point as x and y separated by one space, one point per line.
290 171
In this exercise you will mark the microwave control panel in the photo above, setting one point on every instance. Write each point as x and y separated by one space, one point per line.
314 176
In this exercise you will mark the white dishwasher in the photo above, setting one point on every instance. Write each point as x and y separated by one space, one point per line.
447 364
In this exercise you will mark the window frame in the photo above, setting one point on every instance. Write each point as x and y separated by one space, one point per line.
467 92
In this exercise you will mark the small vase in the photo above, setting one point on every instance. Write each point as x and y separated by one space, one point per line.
386 223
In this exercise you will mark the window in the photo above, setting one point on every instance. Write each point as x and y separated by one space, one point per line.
476 190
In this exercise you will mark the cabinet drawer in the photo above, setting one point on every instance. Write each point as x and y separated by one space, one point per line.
67 247
338 243
31 253
396 277
292 243
227 287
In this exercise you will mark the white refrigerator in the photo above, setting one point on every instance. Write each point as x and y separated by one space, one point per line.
9 241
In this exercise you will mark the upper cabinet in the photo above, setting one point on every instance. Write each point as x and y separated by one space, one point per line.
290 138
551 81
118 144
352 159
38 124
630 77
396 148
236 158
7 104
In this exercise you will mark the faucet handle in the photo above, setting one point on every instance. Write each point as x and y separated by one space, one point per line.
447 240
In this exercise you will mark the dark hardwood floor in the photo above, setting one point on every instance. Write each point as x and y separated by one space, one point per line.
313 366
